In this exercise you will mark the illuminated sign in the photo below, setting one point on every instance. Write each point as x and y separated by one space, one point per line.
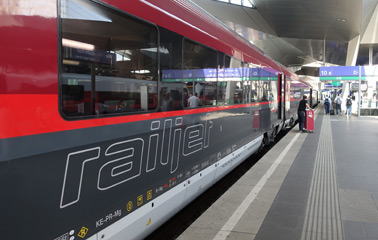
346 73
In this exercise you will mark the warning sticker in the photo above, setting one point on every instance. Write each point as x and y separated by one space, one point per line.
83 232
129 206
149 195
140 200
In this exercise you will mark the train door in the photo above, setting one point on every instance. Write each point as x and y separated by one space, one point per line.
310 98
281 96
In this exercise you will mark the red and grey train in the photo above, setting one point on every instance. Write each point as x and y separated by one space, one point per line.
97 140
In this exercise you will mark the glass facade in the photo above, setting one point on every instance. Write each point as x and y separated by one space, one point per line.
243 3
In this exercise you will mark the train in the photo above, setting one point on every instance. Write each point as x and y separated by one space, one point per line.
97 140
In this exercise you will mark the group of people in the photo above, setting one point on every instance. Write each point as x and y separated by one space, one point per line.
303 104
338 101
167 102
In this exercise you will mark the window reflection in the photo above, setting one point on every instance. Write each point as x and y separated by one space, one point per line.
200 72
106 68
172 87
41 8
230 82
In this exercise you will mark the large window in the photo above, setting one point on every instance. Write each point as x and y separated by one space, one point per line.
109 61
230 82
109 66
172 87
200 72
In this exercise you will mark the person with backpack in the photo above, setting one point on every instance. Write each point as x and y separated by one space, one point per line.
338 104
327 103
348 106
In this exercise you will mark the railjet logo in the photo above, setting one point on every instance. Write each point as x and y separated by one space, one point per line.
124 160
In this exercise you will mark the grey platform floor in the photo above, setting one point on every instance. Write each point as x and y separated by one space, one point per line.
321 185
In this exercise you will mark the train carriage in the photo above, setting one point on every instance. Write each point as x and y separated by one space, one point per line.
96 137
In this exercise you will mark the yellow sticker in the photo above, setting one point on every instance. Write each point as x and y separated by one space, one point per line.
149 195
129 206
83 232
149 222
140 200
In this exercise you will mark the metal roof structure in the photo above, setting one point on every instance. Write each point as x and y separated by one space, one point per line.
303 34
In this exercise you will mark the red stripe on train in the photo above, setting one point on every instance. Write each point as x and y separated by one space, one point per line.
28 114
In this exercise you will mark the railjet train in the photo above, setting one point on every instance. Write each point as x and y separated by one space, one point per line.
97 138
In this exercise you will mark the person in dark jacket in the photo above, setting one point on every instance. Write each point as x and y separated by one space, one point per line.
327 103
348 106
302 113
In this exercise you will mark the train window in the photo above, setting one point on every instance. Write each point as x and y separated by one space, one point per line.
246 83
254 84
107 68
296 90
230 82
172 87
264 85
200 72
273 94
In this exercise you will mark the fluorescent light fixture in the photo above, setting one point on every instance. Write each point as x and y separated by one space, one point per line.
141 71
70 62
161 49
122 58
76 44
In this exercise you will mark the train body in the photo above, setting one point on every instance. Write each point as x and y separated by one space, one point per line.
96 137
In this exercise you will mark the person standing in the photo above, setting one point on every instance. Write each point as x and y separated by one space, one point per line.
348 106
338 102
302 113
199 89
327 103
193 101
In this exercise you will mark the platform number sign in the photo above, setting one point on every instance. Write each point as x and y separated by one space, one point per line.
325 73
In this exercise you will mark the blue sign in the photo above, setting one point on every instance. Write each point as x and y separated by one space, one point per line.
236 73
92 56
330 85
341 71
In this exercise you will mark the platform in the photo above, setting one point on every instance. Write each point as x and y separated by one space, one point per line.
321 185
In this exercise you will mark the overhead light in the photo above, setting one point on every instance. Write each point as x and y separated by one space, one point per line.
141 71
154 49
71 62
341 19
77 44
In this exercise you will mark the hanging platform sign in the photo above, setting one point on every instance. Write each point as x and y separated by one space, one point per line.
339 73
347 73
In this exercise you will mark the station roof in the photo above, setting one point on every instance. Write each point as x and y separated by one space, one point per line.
296 32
